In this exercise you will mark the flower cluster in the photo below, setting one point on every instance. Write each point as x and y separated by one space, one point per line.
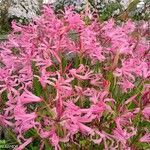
76 82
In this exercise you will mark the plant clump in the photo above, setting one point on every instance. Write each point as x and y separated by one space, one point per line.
68 82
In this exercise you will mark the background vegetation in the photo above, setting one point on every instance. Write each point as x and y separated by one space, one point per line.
119 9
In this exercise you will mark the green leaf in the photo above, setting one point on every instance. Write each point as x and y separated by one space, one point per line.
132 5
48 146
64 63
37 87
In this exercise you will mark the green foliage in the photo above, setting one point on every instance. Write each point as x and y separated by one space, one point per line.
37 87
109 10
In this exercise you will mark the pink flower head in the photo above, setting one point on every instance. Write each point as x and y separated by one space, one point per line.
23 121
123 135
54 140
22 146
146 113
5 122
81 73
28 97
145 138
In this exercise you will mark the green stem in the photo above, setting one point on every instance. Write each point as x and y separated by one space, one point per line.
48 108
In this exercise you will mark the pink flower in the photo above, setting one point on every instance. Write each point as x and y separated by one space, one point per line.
95 111
96 80
15 27
85 129
81 73
123 135
146 97
54 140
74 122
28 97
43 78
22 146
126 85
146 112
145 138
104 137
8 81
73 19
61 85
5 122
40 62
23 120
90 46
129 26
123 132
59 107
